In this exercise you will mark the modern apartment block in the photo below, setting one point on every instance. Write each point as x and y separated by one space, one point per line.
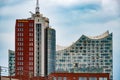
34 45
87 55
24 47
11 62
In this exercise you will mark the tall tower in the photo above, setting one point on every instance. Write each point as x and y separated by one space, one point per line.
24 48
36 45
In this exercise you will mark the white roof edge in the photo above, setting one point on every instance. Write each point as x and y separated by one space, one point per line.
99 36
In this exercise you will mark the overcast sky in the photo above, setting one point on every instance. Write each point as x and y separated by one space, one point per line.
70 18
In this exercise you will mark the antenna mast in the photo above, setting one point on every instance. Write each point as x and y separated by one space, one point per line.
37 6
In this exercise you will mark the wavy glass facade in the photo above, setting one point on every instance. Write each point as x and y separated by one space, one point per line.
87 55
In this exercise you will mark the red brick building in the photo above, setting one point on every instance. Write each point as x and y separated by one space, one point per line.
79 76
68 76
24 47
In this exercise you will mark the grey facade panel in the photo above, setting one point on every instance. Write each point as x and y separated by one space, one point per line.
51 50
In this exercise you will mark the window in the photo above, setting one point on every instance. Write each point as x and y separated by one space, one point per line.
59 78
64 78
20 48
92 78
38 20
102 78
30 34
30 63
31 44
31 53
20 44
20 58
30 39
30 48
30 58
30 68
82 78
109 38
19 39
31 24
20 25
30 29
54 78
19 34
20 63
19 29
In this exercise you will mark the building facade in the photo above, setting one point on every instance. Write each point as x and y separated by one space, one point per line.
34 45
51 47
24 47
11 62
87 55
79 76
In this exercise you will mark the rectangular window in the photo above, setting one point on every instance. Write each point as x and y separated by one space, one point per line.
30 39
31 24
82 78
20 43
20 25
19 34
30 68
92 78
30 34
30 58
19 39
30 48
54 78
19 29
59 78
64 78
31 53
20 53
30 63
102 78
31 29
31 44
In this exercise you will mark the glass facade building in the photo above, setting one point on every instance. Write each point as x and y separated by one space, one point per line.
51 49
11 62
87 55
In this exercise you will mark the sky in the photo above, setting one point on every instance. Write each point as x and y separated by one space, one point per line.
70 18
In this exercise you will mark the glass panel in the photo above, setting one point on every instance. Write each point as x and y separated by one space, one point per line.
102 78
65 78
59 78
92 78
82 78
54 78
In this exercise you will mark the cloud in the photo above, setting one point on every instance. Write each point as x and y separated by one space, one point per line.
6 42
15 10
68 3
